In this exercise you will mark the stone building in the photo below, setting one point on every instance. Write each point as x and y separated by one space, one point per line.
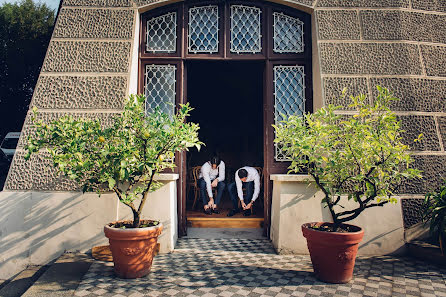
286 56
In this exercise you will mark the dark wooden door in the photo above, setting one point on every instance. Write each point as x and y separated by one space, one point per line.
268 54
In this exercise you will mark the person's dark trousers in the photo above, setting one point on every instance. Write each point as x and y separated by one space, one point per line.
204 192
232 189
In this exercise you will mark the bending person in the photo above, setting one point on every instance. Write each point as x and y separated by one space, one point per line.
248 177
212 175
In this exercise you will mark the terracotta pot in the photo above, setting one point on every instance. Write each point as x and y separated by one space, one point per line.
333 254
132 249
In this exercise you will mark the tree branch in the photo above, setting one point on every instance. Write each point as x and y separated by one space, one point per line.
146 191
119 194
355 213
337 200
328 199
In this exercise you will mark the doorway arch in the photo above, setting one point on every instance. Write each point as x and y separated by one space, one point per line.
279 36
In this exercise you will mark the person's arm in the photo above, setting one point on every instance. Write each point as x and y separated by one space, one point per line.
205 171
238 183
221 172
256 187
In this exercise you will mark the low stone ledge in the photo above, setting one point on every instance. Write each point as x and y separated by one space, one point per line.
167 176
295 202
300 178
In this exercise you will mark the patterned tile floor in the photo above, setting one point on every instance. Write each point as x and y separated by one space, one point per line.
250 267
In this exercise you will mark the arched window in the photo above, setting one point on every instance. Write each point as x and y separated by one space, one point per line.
230 30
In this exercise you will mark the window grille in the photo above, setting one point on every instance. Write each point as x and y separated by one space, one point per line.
160 88
246 36
288 34
203 29
162 34
289 97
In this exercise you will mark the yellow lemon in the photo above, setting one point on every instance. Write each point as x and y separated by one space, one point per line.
161 158
146 134
101 139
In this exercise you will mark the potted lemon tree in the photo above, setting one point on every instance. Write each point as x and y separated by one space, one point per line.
357 160
124 158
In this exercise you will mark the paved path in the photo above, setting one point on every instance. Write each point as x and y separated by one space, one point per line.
250 267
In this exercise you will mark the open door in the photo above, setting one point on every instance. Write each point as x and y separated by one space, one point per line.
227 97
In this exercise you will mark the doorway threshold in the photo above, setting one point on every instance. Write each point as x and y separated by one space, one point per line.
209 222
211 233
197 219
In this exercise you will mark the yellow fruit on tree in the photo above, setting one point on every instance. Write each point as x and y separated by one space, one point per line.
101 139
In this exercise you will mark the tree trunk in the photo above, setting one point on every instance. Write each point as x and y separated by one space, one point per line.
334 217
336 225
136 219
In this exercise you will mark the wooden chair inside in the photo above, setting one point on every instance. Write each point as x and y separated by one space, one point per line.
194 173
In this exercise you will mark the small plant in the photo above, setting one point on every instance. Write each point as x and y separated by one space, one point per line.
359 157
435 214
123 158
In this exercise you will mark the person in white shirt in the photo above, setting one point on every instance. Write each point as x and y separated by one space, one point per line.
248 177
212 175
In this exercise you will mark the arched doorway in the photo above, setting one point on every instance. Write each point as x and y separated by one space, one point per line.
211 40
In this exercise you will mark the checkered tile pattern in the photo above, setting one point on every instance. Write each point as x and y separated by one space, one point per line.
246 267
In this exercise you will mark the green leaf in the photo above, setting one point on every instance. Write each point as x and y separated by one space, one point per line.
111 183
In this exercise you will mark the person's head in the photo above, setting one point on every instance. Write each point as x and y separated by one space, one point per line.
243 175
215 161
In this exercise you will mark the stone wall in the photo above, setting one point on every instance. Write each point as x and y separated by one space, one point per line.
399 44
86 73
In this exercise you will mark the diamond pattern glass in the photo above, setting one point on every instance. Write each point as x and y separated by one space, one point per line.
203 29
162 34
289 97
288 34
246 35
160 88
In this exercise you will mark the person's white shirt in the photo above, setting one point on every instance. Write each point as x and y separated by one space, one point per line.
209 174
253 175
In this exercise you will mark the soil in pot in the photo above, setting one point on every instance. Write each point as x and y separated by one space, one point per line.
133 248
333 254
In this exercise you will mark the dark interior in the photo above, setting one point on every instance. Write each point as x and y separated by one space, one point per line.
227 97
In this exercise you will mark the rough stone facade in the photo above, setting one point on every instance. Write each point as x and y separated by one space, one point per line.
86 73
399 44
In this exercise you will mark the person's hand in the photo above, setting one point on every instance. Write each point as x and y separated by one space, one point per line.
249 205
214 183
243 205
211 202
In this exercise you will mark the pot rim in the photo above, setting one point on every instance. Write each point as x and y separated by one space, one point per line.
305 225
160 225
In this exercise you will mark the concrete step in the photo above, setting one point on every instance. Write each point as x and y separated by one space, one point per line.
61 278
211 222
230 233
21 282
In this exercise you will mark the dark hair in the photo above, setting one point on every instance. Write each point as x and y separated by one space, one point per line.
215 160
242 173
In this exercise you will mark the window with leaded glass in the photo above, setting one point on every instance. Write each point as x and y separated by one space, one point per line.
289 97
160 83
161 34
203 29
246 34
288 34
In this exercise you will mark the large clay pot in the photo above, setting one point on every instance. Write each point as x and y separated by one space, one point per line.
132 249
333 254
